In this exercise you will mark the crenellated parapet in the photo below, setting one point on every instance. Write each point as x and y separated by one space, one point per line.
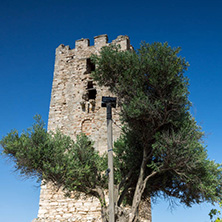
99 42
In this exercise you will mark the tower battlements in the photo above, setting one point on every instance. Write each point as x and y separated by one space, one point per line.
99 42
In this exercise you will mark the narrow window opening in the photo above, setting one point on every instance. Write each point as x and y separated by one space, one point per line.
90 66
90 85
91 90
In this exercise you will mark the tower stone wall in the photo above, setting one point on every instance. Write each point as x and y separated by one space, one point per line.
76 107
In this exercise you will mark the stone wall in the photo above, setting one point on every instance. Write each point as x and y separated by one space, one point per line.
76 107
76 99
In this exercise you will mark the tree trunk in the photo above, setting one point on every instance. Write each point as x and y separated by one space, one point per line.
99 193
141 184
139 190
104 214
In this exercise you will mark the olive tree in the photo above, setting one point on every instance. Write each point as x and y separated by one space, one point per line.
160 151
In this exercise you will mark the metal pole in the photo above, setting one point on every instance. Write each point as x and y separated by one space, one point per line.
110 162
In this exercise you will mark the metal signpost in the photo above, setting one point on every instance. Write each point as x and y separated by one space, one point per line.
110 102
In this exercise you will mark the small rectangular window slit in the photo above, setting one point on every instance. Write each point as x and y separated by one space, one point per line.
90 67
91 90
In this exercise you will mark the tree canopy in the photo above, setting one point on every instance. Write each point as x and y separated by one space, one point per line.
162 143
161 149
55 157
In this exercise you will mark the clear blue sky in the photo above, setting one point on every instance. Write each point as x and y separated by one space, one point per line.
30 31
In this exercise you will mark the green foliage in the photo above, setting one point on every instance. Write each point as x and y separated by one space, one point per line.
56 158
127 161
215 215
159 130
145 81
160 151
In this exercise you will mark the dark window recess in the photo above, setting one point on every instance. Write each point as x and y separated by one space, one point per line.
90 85
91 90
90 66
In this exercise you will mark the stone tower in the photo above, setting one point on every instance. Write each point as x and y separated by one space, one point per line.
76 107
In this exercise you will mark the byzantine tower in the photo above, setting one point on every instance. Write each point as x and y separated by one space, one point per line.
75 107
